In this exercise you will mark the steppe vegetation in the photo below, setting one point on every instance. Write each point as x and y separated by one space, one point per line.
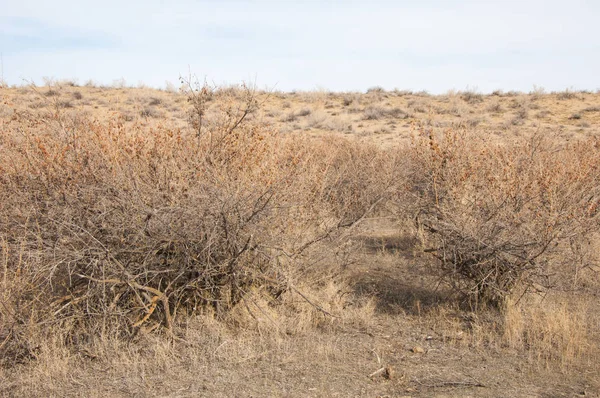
226 241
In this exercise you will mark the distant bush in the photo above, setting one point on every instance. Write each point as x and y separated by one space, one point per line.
149 112
294 115
379 112
471 97
512 93
566 95
376 89
537 92
402 93
304 112
520 116
348 99
65 104
591 109
494 107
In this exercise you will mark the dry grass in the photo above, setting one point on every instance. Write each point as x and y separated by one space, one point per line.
505 114
556 330
153 245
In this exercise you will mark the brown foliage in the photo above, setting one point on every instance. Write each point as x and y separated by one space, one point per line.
109 229
498 217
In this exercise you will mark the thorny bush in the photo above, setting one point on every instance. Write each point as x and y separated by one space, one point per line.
114 228
507 217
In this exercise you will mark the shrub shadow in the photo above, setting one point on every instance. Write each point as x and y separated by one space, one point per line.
396 275
398 297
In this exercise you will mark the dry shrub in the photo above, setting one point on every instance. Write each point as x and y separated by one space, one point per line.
359 175
498 217
110 230
494 107
568 94
375 112
471 97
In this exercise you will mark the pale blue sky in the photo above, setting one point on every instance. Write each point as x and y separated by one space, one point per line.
431 45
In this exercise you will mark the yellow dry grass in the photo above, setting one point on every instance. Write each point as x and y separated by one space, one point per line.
383 117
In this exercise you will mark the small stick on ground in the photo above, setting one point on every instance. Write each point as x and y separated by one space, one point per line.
474 383
377 372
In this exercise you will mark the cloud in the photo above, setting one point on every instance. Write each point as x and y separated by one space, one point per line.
19 34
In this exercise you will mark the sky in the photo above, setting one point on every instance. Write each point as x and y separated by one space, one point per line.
337 45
